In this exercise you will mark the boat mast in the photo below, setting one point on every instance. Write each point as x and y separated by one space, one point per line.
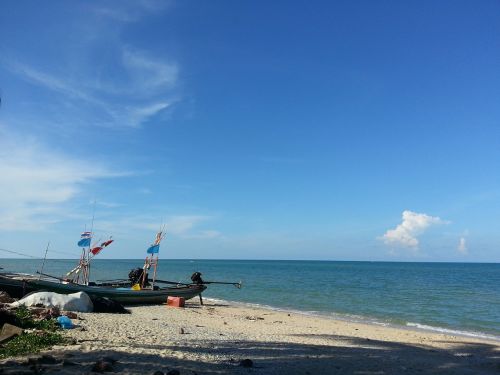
43 263
152 259
87 258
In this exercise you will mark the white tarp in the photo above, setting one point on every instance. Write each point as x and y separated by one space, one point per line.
69 302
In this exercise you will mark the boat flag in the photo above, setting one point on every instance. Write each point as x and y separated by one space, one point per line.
85 239
154 249
96 250
158 238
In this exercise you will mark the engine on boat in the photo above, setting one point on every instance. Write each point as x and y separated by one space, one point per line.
196 278
135 276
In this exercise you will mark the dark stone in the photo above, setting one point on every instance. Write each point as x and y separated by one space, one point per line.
106 305
71 314
31 361
173 372
102 366
47 359
37 369
9 331
158 373
246 363
10 363
5 298
69 363
110 360
7 316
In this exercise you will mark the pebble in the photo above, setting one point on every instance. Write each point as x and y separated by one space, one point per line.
47 359
110 360
102 366
246 363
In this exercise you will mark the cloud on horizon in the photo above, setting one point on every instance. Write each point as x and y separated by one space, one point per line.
462 246
182 226
413 225
37 182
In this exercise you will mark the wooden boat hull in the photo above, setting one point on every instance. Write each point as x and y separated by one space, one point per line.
24 284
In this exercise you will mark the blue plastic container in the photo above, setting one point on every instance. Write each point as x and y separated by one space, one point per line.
65 322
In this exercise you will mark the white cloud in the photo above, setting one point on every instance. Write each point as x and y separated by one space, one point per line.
406 234
462 246
149 73
204 234
124 87
37 182
129 11
50 82
106 110
183 226
138 115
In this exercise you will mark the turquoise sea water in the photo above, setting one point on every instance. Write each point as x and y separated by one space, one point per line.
441 296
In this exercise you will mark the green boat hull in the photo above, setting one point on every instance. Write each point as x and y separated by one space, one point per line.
18 285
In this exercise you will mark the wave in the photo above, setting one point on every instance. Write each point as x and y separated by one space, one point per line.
352 318
449 331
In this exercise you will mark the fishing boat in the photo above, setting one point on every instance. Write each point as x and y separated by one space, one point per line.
19 284
141 290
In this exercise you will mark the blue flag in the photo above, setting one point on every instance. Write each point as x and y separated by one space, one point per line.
84 242
154 249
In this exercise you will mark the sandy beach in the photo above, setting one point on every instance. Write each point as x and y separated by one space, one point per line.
216 337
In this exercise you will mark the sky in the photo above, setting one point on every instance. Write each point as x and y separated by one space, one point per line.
349 130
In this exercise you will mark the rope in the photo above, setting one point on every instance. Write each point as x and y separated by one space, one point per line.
24 255
34 257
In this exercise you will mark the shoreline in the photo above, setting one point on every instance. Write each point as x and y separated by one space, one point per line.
349 318
216 337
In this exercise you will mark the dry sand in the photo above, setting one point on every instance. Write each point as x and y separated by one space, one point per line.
214 338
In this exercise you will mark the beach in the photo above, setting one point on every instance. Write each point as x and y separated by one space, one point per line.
217 337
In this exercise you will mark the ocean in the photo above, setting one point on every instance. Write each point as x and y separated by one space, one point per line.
456 298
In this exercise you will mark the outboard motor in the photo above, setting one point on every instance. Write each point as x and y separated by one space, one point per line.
196 278
135 276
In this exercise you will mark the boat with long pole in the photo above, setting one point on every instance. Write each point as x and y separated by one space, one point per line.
77 280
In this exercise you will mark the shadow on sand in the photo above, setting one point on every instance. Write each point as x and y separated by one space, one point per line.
346 355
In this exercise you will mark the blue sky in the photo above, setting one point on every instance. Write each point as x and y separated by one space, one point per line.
355 130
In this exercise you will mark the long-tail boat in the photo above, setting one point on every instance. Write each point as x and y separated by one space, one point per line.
140 291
